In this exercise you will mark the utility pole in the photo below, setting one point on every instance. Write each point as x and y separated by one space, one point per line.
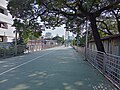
15 42
86 41
66 38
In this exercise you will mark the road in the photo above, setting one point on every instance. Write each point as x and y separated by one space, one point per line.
60 68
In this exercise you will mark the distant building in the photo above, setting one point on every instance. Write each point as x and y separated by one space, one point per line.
48 35
66 37
71 37
6 29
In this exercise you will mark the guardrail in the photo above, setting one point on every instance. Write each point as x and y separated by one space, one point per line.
33 48
21 49
107 64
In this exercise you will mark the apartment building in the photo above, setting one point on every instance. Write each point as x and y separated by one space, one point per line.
6 29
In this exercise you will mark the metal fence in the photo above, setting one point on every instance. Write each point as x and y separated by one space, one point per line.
107 64
22 49
32 48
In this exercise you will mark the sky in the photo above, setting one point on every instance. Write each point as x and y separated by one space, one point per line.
59 30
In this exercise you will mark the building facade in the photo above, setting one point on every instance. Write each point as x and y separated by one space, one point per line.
111 44
6 21
48 35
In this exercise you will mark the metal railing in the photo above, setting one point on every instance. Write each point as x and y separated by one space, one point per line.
22 49
32 48
107 64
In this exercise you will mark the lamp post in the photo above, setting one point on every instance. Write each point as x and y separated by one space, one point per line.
15 42
86 42
42 42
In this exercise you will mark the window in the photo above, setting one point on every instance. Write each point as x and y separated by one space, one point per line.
1 39
1 11
3 25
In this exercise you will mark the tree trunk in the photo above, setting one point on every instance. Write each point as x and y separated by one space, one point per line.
96 35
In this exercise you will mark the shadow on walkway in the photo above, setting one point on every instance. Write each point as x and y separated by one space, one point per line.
63 69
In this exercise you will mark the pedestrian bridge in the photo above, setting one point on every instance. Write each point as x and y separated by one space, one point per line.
58 68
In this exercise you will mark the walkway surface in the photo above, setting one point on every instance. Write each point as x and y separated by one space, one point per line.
60 68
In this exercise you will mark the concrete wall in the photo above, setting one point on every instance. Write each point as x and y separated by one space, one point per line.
111 45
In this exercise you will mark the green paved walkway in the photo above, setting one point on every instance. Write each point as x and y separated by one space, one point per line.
60 68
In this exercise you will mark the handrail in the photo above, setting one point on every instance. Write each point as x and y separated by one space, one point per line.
107 64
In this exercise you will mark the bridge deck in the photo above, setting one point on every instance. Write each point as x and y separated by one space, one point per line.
60 68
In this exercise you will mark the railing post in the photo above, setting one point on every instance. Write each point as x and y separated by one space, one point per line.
104 63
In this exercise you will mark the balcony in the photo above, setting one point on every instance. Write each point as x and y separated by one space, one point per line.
6 19
3 3
7 32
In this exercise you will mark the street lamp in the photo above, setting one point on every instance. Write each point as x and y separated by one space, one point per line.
42 42
86 42
15 42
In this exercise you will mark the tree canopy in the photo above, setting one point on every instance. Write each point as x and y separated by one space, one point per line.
73 13
60 40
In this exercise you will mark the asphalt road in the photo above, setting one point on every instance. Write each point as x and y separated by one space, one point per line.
60 68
